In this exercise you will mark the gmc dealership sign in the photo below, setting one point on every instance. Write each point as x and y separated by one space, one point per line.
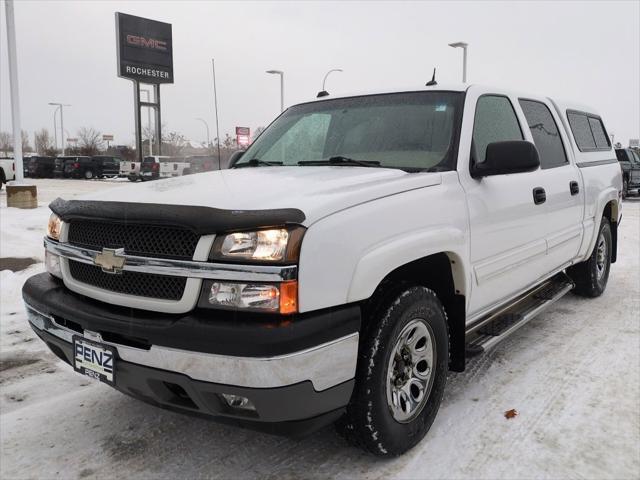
145 50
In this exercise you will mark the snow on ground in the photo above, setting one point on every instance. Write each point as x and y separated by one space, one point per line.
573 374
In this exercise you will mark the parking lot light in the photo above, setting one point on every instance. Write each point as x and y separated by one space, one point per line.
281 73
61 107
463 46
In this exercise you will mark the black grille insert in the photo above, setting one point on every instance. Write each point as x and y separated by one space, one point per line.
131 283
136 239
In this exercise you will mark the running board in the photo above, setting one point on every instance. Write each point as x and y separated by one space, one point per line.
496 327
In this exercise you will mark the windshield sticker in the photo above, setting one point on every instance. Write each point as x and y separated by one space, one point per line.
441 108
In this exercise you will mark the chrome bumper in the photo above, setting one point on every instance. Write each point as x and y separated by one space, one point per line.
325 365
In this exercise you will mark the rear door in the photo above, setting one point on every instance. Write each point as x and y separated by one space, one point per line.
507 244
560 179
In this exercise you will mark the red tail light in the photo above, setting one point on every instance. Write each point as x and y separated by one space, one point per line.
155 166
76 165
13 166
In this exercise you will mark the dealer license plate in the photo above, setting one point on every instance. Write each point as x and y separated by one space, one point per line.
94 360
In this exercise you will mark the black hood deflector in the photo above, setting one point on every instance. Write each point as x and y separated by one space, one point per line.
201 220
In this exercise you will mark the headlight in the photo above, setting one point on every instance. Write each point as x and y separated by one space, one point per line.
275 245
54 226
264 297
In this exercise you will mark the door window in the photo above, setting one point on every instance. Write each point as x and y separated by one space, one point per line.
495 121
545 133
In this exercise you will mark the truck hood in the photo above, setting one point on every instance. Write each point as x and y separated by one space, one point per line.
316 191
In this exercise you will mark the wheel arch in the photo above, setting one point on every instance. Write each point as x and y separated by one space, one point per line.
442 272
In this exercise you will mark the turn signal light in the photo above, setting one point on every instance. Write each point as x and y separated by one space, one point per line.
288 298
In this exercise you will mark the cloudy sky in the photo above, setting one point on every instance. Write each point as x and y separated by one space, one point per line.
584 51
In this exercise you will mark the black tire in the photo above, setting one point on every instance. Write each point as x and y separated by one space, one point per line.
132 179
369 421
625 188
88 174
592 275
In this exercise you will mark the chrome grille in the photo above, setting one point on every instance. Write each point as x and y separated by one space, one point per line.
136 239
132 283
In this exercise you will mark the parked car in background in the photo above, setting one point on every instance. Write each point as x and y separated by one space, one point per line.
130 170
7 170
174 167
79 167
106 166
41 167
630 165
150 167
25 166
58 167
201 163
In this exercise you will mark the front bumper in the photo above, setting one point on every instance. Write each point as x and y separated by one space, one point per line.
293 391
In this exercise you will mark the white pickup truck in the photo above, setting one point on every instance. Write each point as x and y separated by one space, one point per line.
361 248
7 170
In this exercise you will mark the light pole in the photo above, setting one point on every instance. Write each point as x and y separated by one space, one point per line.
148 118
215 106
61 106
463 46
208 137
55 127
281 73
14 91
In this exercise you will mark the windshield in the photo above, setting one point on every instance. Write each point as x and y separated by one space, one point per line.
411 131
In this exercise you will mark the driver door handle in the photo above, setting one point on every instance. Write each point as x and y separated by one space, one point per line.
539 195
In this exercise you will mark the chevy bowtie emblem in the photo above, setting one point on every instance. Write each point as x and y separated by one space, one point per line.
110 260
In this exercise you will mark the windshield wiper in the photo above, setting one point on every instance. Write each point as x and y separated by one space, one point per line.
256 162
340 160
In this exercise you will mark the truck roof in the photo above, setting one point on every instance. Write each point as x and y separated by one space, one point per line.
563 105
452 87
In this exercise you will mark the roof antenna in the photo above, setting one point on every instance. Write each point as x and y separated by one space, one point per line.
432 82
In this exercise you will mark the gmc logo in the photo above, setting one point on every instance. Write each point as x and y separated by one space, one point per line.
146 42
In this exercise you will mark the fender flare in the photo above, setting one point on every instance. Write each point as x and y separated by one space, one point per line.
608 196
383 258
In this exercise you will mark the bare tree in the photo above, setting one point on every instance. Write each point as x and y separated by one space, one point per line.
229 141
173 143
6 142
44 143
89 141
25 142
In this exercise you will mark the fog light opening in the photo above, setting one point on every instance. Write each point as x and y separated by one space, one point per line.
239 402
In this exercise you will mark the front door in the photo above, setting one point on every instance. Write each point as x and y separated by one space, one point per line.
507 227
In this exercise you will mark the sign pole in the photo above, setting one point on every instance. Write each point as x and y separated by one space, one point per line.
156 92
138 124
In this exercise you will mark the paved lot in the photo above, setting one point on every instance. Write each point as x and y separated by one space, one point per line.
573 374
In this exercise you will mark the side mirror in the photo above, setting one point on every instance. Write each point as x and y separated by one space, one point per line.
235 156
515 156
